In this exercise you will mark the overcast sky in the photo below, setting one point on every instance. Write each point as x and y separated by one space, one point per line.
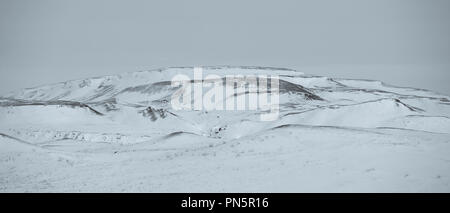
403 42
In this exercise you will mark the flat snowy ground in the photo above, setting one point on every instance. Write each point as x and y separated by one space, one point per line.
333 135
284 159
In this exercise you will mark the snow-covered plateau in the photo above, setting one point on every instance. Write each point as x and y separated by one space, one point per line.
120 134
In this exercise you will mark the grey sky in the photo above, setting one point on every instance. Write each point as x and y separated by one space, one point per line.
403 42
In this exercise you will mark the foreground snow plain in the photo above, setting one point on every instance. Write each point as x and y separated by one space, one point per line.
119 134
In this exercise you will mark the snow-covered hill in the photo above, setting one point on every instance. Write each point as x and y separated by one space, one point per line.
120 133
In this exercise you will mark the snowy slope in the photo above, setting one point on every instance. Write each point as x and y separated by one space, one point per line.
120 133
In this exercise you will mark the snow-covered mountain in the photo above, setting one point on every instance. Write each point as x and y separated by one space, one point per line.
120 133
